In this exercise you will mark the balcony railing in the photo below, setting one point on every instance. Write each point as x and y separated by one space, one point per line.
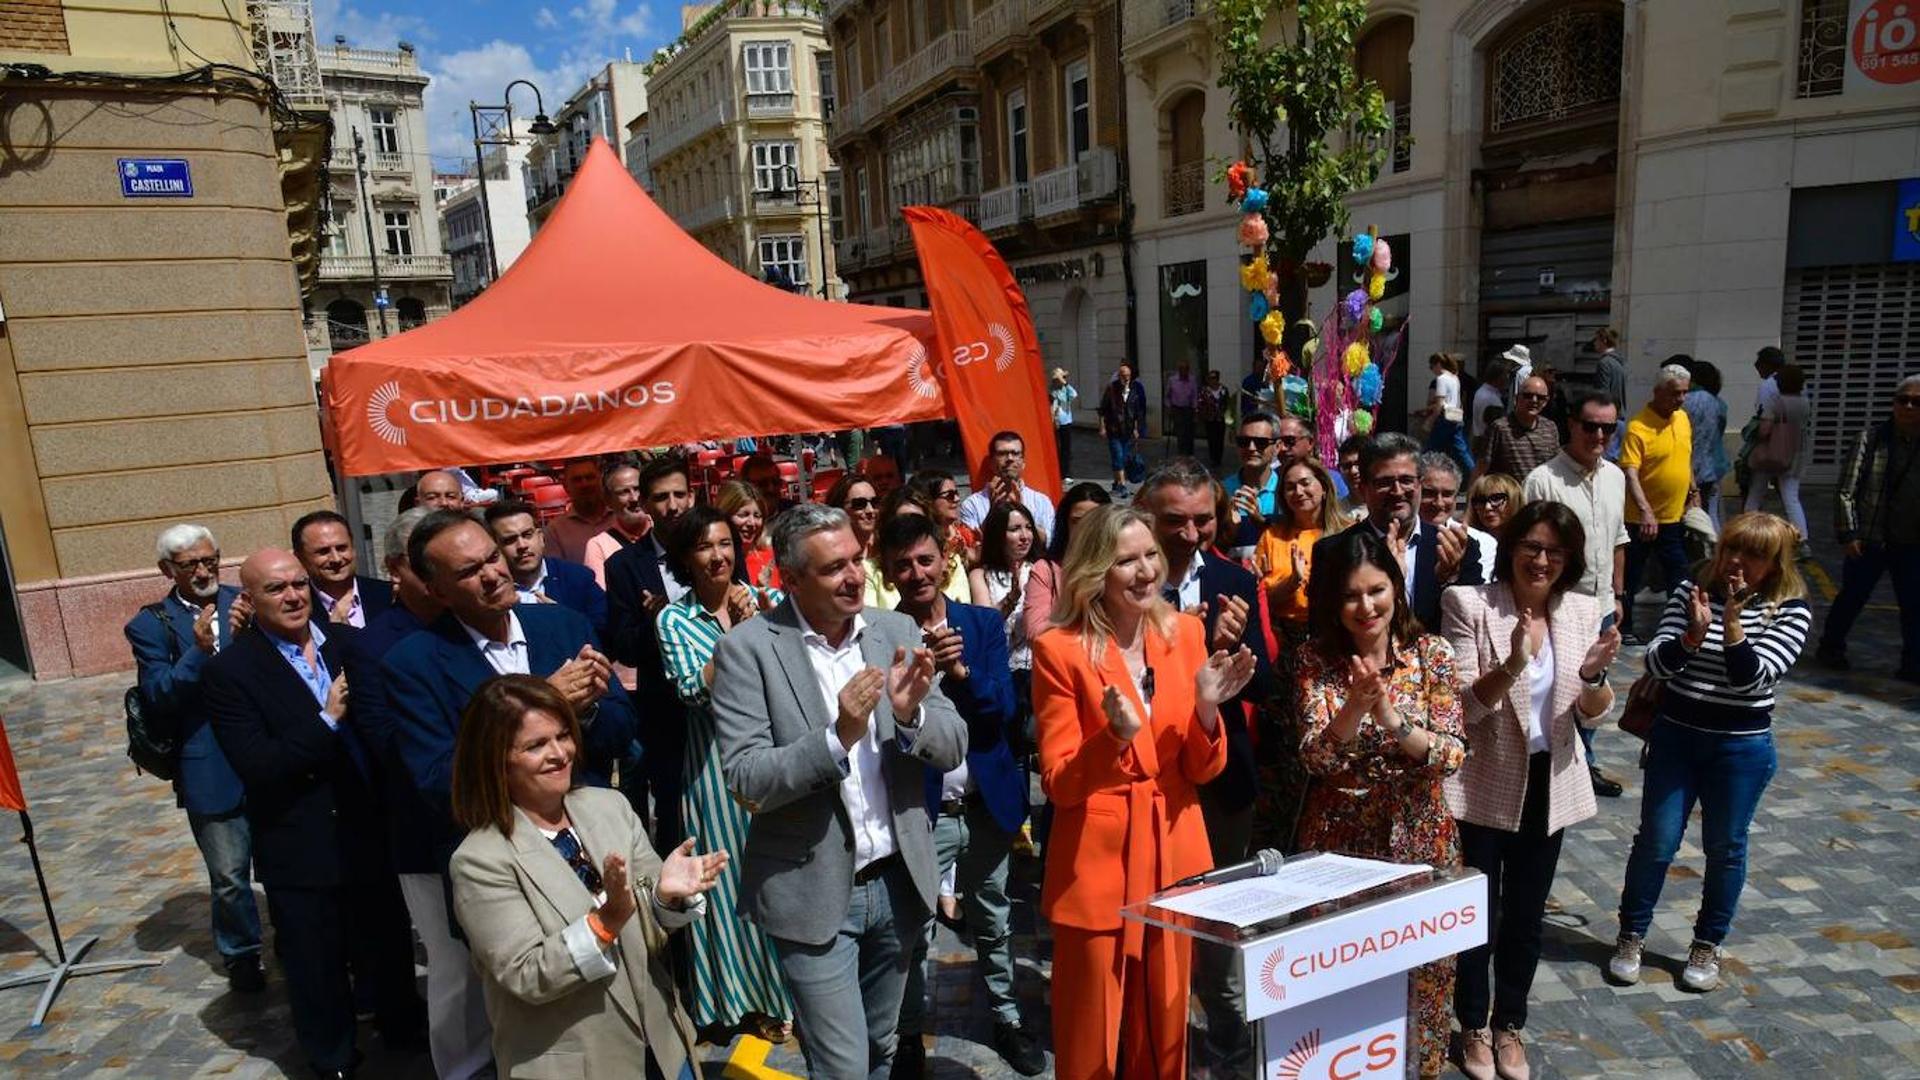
1004 20
1145 18
1006 207
1066 189
951 50
340 158
770 104
355 267
1183 189
1037 9
900 237
709 215
388 163
850 253
390 60
698 122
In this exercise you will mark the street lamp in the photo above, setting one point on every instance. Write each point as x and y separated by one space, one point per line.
814 195
499 132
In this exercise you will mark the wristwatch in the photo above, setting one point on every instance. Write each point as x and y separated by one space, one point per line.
1597 681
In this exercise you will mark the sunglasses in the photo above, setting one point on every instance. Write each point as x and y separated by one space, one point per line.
1532 397
862 504
1253 442
1595 427
1287 441
1911 401
1495 499
569 848
949 495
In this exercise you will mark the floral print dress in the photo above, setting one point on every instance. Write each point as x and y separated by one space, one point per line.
1368 799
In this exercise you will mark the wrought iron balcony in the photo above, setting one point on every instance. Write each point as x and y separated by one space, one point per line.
1183 189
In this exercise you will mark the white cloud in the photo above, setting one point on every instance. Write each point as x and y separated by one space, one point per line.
375 30
545 19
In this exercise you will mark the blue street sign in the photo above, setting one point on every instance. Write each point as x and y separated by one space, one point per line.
155 178
380 299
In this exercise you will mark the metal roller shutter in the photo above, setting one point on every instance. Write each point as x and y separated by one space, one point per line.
1856 331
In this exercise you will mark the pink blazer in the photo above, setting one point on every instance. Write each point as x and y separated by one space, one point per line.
1491 788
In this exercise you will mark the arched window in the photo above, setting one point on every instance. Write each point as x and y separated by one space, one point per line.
412 312
1184 183
346 324
1384 57
1563 66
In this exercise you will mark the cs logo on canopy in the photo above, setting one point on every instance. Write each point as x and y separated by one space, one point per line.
377 419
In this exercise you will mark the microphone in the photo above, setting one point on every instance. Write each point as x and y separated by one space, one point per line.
1265 863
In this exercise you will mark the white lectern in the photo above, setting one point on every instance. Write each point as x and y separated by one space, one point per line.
1326 986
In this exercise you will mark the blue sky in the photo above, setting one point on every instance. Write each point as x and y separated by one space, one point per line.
473 48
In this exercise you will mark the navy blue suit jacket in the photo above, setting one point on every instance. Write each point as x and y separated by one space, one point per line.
1426 585
572 585
634 640
429 676
169 676
984 699
311 802
1237 784
376 596
413 846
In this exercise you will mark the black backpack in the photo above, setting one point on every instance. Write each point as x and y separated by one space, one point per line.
153 733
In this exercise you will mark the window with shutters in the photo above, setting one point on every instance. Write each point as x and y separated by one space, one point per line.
828 92
773 165
784 255
769 68
1855 330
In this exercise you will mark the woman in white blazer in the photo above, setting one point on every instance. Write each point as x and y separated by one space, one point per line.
565 905
1533 662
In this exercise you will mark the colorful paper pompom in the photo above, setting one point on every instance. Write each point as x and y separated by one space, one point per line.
1362 249
1279 366
1273 291
1362 422
1375 320
1376 285
1272 327
1355 304
1257 307
1239 175
1255 200
1382 259
1253 275
1253 231
1368 384
1356 358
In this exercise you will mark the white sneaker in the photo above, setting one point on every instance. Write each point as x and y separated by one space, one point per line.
1702 972
1624 966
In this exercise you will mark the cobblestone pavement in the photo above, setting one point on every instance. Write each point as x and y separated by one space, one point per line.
1823 974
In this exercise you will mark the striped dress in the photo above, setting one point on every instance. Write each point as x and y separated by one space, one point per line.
1721 690
734 970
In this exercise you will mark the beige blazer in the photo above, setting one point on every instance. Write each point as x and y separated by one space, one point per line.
1491 788
515 897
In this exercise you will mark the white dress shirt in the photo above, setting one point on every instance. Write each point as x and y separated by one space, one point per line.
533 593
356 611
675 590
974 509
957 782
1408 558
1188 587
863 784
505 658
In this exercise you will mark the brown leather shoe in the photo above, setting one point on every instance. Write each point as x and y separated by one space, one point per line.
1476 1053
1510 1055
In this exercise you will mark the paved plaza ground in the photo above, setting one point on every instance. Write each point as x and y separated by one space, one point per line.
1823 976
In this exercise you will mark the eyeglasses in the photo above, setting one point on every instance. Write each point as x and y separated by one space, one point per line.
862 504
1595 427
1440 494
1494 499
949 495
1404 482
569 848
1911 401
1530 550
209 562
1287 441
1252 442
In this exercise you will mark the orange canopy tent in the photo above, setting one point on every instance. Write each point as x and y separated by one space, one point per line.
616 330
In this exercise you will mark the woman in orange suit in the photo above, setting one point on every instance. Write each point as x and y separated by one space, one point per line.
1128 709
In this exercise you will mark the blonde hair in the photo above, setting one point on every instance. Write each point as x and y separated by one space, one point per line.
1762 536
1083 577
735 494
1497 482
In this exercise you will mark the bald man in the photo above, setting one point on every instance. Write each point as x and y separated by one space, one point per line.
439 490
280 705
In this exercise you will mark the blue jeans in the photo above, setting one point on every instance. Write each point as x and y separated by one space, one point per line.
1669 546
847 992
979 851
1726 775
1118 450
1858 577
226 846
1450 438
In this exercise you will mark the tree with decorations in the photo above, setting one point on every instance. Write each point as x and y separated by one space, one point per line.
1317 131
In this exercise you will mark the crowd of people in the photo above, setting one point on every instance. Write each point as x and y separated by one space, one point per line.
663 769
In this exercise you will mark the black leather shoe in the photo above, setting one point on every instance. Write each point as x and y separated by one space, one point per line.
1018 1049
1835 659
1604 786
244 976
910 1059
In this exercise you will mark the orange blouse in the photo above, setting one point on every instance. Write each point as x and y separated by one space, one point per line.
1275 554
1126 815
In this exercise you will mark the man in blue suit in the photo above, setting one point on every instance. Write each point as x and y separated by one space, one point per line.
429 676
537 577
978 807
278 699
1433 557
172 640
1180 498
324 545
638 586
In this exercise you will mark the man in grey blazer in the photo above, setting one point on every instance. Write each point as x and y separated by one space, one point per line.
827 717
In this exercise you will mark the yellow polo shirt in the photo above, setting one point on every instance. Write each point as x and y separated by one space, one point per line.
1663 452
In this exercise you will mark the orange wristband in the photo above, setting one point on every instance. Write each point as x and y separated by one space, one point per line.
599 928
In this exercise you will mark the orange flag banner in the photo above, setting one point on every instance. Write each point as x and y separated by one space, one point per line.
988 361
11 797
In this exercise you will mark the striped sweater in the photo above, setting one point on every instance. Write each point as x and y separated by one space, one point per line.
1722 689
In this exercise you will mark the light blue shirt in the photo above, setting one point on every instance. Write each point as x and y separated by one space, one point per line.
318 679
